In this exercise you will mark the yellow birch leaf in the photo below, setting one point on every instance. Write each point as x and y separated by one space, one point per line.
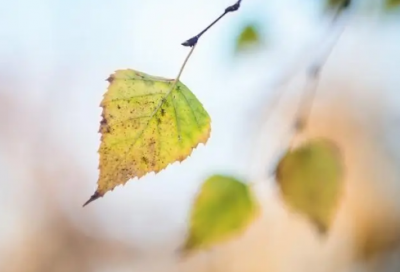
148 123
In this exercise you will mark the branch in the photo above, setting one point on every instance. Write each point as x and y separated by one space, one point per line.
314 73
193 41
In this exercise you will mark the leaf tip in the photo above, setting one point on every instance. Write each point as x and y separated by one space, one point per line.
95 196
110 79
321 228
184 251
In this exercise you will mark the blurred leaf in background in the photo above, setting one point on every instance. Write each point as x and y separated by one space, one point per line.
377 235
333 5
392 4
309 178
222 210
148 122
336 3
249 38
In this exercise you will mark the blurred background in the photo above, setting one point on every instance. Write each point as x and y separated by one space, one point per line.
54 59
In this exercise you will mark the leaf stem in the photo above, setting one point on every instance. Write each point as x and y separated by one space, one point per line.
193 41
313 77
286 77
314 71
184 63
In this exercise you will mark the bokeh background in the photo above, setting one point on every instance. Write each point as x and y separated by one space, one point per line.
54 59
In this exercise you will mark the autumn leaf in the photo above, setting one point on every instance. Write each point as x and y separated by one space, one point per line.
223 209
147 123
309 178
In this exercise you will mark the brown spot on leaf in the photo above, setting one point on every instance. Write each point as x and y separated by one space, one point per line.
104 127
145 160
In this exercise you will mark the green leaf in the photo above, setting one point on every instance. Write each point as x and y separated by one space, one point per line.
392 4
223 209
309 178
148 122
335 4
249 37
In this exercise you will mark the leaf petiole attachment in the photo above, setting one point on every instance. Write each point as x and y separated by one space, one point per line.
193 41
137 107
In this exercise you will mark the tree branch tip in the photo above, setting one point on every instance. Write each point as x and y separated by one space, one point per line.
233 8
191 42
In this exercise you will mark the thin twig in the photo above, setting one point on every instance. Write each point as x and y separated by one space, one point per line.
284 79
311 85
313 75
193 41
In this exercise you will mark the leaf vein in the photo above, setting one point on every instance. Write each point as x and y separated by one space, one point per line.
176 119
190 107
131 119
135 96
145 127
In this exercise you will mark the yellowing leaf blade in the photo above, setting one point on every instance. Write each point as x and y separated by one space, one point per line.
148 123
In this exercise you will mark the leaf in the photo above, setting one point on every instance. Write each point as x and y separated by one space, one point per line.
223 209
392 4
248 37
376 234
335 4
146 126
310 183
